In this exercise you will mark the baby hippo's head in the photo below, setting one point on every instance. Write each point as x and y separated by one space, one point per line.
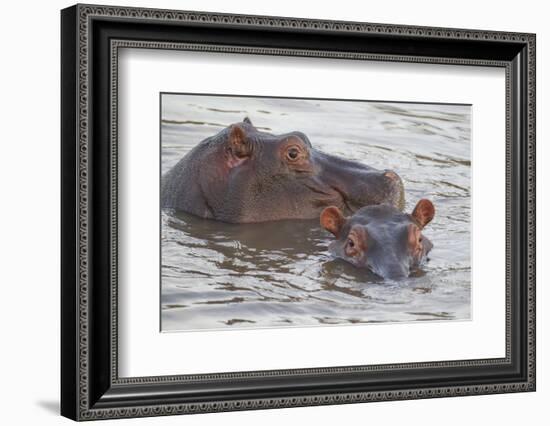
381 238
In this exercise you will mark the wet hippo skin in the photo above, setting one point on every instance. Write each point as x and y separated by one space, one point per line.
243 175
381 238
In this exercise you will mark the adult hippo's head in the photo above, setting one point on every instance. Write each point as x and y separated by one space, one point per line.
381 238
244 175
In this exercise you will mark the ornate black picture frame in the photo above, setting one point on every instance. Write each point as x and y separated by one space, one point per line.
90 38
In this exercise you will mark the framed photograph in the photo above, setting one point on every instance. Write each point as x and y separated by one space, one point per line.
264 212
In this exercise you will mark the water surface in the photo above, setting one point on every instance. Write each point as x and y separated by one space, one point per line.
217 275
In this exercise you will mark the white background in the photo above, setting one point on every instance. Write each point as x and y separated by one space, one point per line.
146 352
29 225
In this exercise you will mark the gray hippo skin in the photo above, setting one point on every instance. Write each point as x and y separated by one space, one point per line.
243 175
381 238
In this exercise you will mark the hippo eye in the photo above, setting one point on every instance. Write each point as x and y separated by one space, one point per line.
293 153
351 244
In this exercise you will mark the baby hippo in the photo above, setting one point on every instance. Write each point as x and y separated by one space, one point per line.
381 238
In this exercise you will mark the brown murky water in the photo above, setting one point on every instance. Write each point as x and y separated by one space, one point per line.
217 275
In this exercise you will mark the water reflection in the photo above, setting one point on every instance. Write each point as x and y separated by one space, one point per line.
217 275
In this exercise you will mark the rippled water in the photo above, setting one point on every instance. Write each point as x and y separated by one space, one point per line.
218 275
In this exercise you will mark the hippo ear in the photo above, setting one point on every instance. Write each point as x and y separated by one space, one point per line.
424 212
238 142
247 121
332 220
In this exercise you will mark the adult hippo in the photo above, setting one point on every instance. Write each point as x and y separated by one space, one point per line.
243 175
381 238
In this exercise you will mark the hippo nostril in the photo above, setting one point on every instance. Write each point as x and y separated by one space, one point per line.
395 186
391 175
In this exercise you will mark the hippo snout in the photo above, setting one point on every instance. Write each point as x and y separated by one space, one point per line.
376 187
395 189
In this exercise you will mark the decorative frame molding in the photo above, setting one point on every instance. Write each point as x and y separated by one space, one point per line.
87 397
